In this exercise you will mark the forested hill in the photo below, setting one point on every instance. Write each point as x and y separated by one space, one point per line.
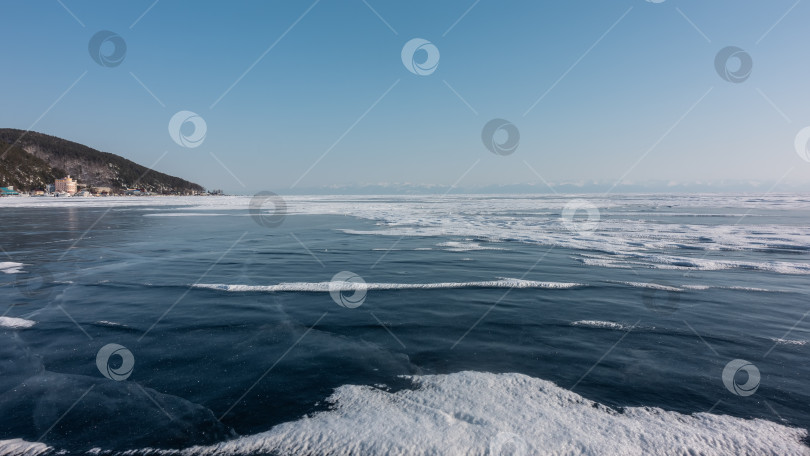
29 161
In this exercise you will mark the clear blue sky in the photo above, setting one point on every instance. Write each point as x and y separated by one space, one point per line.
607 101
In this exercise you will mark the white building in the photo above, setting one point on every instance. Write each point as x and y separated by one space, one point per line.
65 185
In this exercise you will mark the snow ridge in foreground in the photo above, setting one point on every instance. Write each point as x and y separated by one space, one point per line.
349 286
481 413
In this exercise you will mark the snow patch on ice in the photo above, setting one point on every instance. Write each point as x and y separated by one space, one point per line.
16 323
474 413
350 286
599 324
10 267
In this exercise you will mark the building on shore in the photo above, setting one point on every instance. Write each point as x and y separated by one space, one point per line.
65 185
8 191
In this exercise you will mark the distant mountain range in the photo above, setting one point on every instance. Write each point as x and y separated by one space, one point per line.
30 161
605 187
